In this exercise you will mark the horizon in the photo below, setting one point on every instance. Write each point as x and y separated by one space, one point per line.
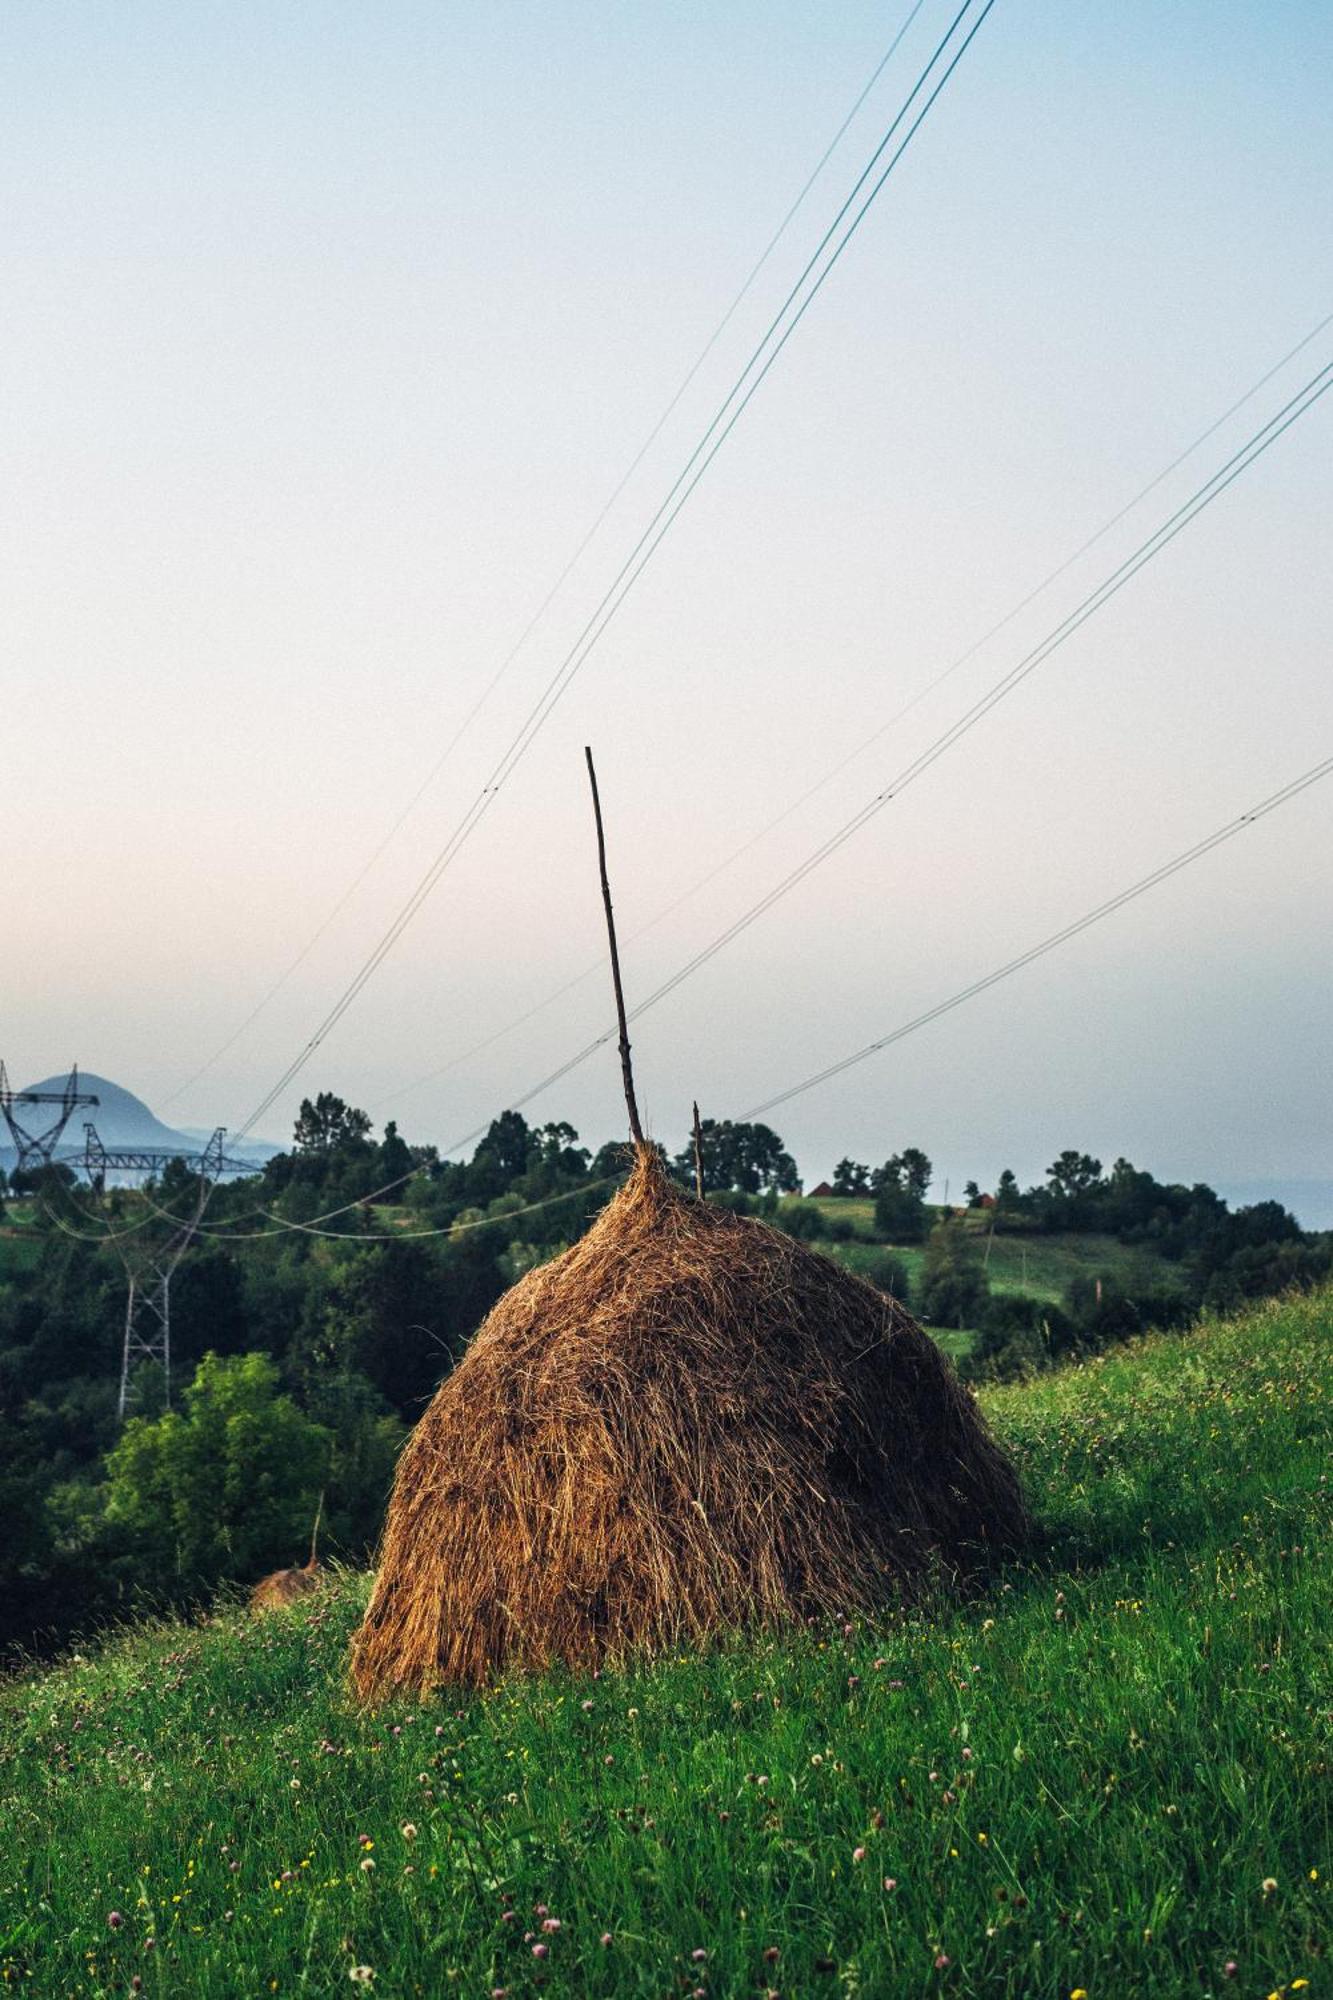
945 1186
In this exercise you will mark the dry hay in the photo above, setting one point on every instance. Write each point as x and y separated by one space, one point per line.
685 1423
284 1586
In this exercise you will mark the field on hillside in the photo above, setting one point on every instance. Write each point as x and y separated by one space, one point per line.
1111 1775
1034 1263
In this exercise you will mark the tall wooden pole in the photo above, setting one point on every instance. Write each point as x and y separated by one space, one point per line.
698 1153
626 1070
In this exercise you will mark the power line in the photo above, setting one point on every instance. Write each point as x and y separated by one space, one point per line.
571 564
650 541
1119 901
1057 938
284 1224
1240 461
1268 434
835 770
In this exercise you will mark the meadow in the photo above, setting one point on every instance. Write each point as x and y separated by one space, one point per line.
1108 1774
1037 1264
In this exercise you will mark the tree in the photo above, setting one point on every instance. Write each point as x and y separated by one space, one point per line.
954 1287
851 1178
365 1439
972 1194
328 1124
507 1148
177 1187
395 1160
1018 1334
57 1175
1072 1175
615 1157
561 1151
400 1314
208 1306
889 1273
900 1196
225 1486
1008 1199
749 1159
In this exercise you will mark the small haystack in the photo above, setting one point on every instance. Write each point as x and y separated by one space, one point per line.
685 1423
284 1586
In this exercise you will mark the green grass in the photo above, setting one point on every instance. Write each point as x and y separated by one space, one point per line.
1082 1780
1044 1266
1038 1265
848 1208
19 1250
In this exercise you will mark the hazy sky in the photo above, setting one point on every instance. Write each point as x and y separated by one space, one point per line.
326 332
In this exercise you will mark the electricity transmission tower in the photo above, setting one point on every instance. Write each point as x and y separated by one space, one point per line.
150 1256
36 1149
99 1160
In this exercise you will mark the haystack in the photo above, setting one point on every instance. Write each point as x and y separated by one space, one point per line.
686 1423
285 1586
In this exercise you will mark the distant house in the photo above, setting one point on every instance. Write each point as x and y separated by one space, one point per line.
822 1192
985 1201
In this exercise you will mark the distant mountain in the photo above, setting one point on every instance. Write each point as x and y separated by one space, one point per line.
121 1119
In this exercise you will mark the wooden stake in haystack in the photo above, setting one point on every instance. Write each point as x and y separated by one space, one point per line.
687 1423
626 1067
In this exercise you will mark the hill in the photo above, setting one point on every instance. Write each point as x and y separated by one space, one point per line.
122 1119
1034 1264
1108 1775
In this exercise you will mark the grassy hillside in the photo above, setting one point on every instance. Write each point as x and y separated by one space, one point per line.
1108 1776
20 1250
1039 1265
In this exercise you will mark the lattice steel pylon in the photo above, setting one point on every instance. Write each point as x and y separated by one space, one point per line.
36 1149
150 1260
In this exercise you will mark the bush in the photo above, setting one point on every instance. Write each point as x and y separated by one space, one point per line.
954 1287
802 1219
1034 1328
1103 1311
900 1213
888 1274
225 1486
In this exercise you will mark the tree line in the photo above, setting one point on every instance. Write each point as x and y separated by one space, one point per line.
303 1355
